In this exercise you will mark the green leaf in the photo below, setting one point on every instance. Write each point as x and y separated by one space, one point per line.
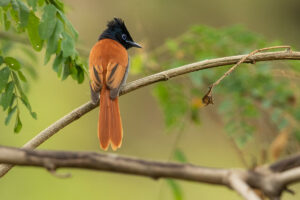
69 25
60 70
176 189
41 2
32 4
28 106
73 71
18 124
12 63
67 45
59 5
1 60
11 112
58 62
66 70
4 3
15 5
179 155
34 115
21 76
23 97
6 21
80 74
24 14
7 96
15 12
53 41
48 22
173 102
4 75
32 30
17 82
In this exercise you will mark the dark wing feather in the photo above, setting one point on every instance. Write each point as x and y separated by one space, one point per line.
116 72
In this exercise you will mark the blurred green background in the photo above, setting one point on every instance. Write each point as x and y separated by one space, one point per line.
150 23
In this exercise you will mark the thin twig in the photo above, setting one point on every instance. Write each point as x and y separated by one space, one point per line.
239 152
243 60
208 95
171 73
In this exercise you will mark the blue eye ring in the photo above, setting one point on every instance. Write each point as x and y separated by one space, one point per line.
124 36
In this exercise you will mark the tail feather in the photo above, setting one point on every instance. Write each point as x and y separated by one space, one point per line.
110 125
116 130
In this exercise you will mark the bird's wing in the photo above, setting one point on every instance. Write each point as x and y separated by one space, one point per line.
96 73
115 77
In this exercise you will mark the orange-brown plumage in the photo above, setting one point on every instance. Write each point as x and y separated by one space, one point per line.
108 67
104 56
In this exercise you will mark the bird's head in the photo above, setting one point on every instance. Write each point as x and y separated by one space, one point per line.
117 31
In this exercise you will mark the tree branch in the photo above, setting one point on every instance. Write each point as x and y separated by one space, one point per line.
51 160
286 164
162 76
242 180
207 98
290 176
242 188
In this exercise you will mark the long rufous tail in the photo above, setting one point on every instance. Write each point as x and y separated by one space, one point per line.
110 125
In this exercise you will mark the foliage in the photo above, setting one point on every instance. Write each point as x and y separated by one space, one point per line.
250 95
45 24
176 189
242 99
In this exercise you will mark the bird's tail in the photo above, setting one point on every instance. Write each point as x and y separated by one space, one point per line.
110 125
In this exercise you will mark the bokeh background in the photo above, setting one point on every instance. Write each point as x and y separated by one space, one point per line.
150 23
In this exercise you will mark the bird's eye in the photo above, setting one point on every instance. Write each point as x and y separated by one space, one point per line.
124 36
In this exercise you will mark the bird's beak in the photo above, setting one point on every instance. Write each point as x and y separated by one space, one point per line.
134 44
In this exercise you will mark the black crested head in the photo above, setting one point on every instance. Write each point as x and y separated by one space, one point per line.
116 30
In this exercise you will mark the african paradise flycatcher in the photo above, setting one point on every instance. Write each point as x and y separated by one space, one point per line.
108 68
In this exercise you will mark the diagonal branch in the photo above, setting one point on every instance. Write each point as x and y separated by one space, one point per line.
162 76
289 176
286 164
242 188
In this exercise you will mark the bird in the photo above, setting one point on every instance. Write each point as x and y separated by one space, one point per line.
108 70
